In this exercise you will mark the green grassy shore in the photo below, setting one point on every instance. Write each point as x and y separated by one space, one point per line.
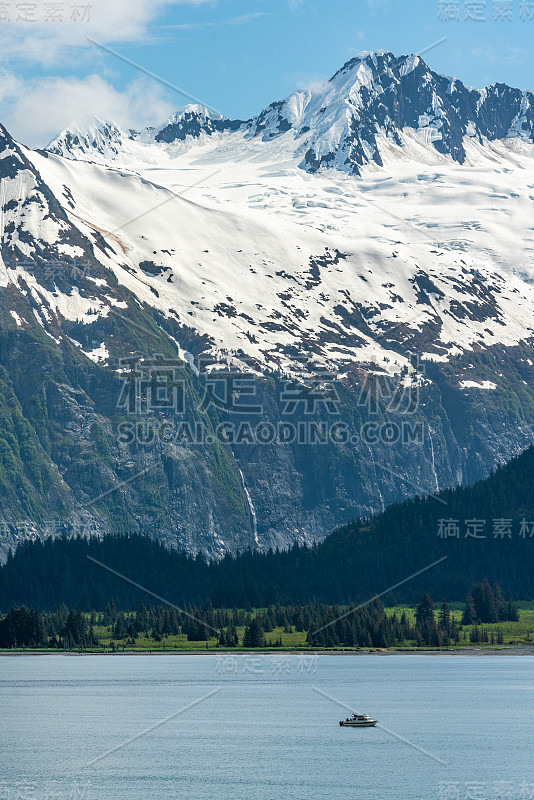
513 633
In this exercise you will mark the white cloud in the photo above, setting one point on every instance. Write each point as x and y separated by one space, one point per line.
44 39
37 111
10 86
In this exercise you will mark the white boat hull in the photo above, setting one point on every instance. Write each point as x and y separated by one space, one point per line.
349 724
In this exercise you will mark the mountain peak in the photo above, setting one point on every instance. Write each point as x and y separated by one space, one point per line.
194 109
89 136
382 62
193 121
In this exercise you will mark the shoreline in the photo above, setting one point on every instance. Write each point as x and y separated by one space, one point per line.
502 650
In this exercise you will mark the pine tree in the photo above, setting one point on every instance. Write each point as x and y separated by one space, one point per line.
426 622
445 619
254 634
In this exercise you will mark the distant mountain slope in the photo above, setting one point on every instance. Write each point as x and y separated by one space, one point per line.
395 305
352 564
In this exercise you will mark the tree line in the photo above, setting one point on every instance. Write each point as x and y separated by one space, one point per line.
23 627
324 625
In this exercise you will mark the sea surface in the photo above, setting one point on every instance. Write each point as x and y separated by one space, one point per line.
208 727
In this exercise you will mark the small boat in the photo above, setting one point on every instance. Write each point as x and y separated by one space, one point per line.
358 721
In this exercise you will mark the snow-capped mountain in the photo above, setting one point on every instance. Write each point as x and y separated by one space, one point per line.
376 96
374 228
103 138
95 136
349 120
193 121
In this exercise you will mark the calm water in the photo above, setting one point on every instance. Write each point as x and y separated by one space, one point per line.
266 734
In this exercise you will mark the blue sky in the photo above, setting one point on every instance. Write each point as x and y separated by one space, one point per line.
235 56
241 67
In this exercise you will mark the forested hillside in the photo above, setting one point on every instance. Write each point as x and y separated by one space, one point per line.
485 531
